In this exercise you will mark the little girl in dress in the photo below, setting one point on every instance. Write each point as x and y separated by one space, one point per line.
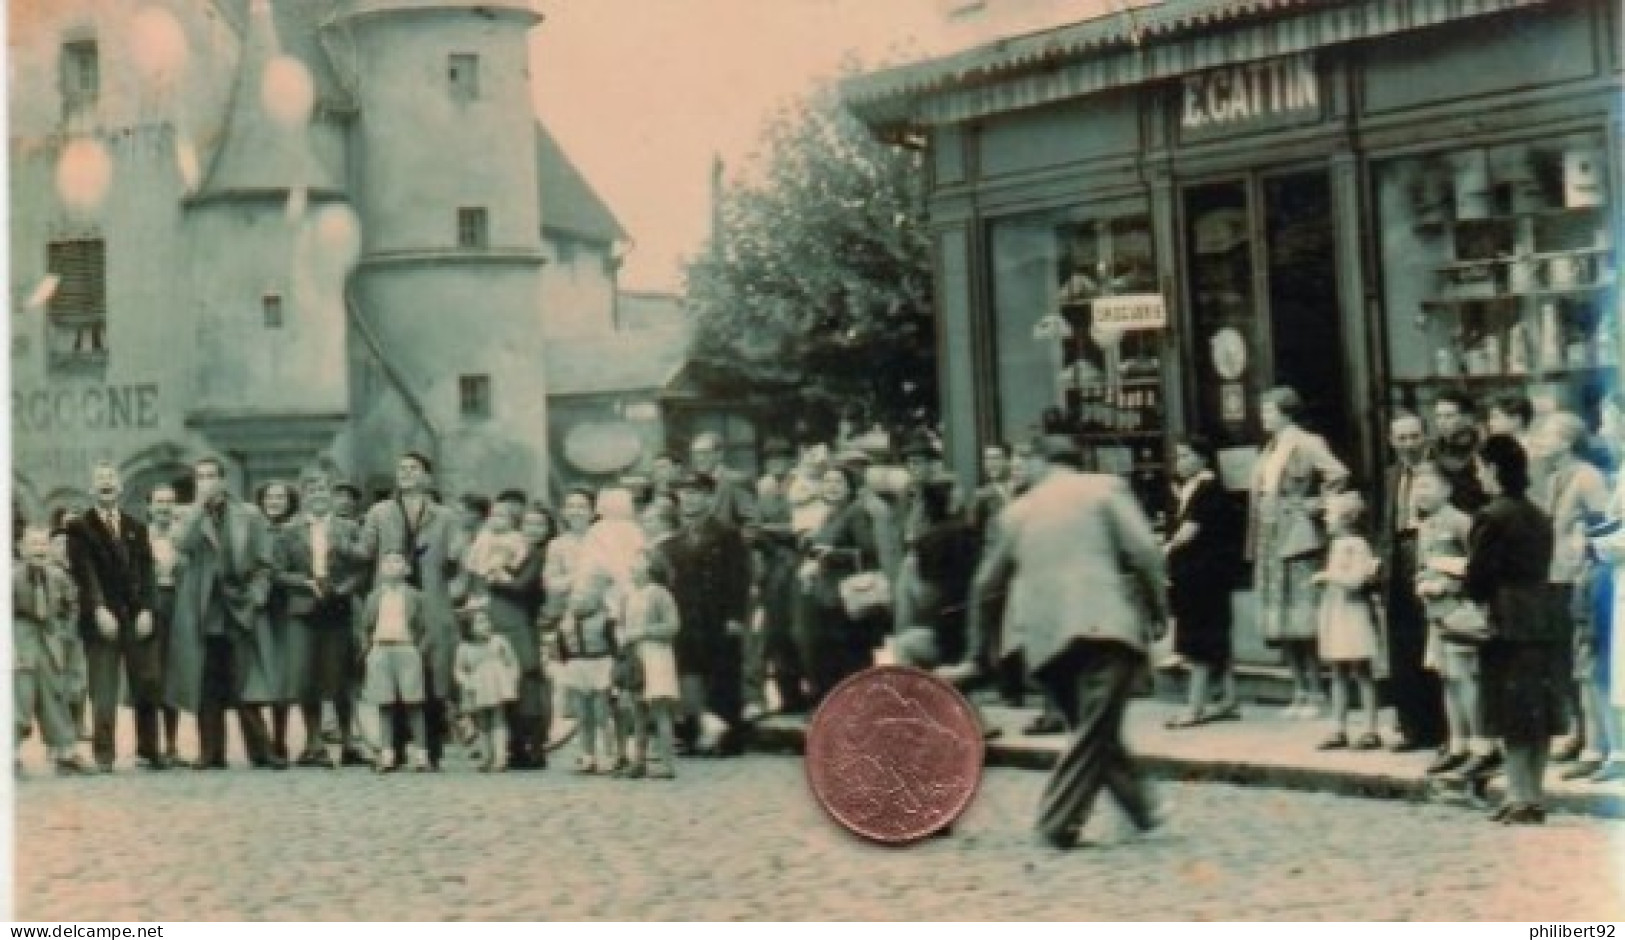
488 675
649 620
1348 638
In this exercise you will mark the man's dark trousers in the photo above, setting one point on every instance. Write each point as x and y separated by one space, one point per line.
221 690
1413 690
1090 682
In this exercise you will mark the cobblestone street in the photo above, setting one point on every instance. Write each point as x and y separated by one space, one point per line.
743 839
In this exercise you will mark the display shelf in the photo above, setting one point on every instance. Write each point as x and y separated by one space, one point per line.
1576 291
1503 218
1545 376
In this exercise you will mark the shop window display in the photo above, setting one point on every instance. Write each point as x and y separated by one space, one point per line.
1060 367
1501 273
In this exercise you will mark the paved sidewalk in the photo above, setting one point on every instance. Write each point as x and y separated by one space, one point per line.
1261 749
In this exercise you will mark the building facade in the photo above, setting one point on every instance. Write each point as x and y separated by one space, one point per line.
1147 217
286 233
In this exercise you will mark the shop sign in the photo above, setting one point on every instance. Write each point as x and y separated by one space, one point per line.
1271 91
1131 312
96 408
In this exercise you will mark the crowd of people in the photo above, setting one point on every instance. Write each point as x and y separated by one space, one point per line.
668 613
1481 601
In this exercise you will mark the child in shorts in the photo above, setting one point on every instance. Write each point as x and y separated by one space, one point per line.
393 632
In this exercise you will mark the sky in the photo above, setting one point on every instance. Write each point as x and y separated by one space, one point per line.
643 93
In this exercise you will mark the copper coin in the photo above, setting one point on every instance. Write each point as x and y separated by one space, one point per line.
894 754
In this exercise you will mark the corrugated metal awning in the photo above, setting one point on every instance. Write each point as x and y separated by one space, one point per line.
1132 47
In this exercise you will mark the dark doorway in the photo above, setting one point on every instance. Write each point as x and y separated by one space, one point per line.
1306 335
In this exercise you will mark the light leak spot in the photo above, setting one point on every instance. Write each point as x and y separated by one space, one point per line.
83 173
158 46
288 92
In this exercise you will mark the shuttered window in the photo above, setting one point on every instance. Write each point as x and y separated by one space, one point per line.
78 308
81 292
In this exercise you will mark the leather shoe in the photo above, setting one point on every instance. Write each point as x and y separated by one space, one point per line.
1524 814
1566 751
353 757
1609 772
209 765
1445 763
73 766
1045 723
1580 769
1405 745
272 762
156 762
1479 767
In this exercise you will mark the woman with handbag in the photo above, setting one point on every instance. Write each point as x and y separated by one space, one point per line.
1522 665
848 595
1285 542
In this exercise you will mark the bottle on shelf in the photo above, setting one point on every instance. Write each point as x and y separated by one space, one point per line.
1551 337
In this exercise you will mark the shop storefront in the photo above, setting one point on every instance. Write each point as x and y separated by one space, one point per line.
1145 220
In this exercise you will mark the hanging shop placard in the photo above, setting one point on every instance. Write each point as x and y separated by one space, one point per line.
1131 312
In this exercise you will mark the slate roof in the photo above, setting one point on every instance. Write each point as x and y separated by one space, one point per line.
260 155
570 206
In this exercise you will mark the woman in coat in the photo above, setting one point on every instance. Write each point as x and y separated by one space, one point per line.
1201 553
933 586
1295 471
515 607
1522 668
279 503
846 544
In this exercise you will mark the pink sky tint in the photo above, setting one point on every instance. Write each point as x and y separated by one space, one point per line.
642 93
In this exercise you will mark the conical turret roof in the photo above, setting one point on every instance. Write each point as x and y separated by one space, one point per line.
261 155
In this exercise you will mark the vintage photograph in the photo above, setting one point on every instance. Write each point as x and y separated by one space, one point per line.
816 460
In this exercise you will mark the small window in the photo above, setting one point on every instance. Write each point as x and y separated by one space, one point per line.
472 224
81 73
271 308
463 76
474 396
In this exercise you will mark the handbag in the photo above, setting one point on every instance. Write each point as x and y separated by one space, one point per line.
865 593
1302 536
627 672
1467 625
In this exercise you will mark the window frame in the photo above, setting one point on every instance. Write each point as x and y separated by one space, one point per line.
473 228
474 397
463 76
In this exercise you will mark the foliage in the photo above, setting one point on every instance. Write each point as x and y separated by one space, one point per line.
815 291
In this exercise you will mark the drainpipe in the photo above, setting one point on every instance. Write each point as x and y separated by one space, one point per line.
391 372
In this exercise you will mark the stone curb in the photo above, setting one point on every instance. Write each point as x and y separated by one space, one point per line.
783 738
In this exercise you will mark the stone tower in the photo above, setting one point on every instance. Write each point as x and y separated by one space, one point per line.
269 387
444 299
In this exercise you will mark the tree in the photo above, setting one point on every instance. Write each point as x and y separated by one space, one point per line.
815 291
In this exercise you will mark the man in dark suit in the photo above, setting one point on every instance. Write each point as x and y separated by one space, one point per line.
1413 690
221 653
1084 576
711 584
111 563
734 500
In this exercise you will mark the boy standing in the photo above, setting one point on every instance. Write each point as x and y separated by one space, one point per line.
46 655
392 638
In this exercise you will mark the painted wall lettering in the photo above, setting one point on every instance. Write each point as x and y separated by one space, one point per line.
1250 92
97 408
